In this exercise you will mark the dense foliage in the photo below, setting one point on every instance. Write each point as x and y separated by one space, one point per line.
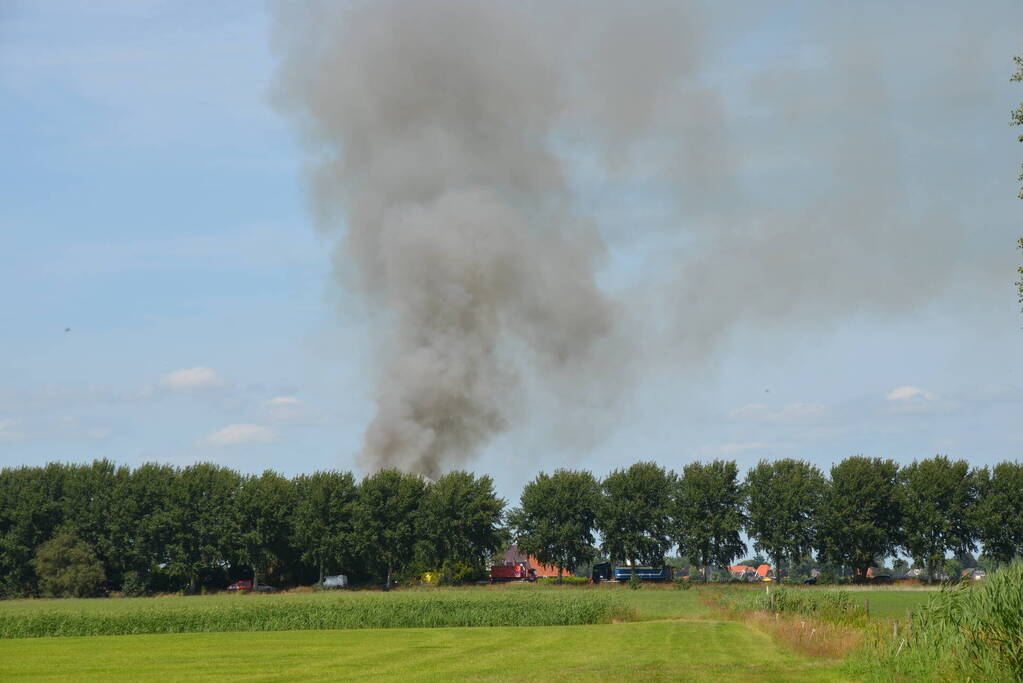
158 528
710 515
557 517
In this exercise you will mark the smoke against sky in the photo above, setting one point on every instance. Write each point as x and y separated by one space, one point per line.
155 204
447 142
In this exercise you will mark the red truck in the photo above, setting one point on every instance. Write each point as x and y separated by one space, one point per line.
512 572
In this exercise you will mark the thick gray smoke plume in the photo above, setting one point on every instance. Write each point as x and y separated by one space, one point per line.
446 136
434 119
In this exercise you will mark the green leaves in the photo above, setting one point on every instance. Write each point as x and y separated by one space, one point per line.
860 518
998 514
635 515
68 567
708 513
556 518
935 498
782 502
386 514
460 522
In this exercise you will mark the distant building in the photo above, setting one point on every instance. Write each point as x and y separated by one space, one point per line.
745 572
513 556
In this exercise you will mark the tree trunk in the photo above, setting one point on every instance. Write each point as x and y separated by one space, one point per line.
321 573
387 585
560 569
193 582
255 578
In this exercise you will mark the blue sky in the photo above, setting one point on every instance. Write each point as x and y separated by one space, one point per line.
152 200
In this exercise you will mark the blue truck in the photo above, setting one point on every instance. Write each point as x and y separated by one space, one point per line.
644 573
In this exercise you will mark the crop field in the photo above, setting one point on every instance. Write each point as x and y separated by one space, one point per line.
342 610
494 633
666 635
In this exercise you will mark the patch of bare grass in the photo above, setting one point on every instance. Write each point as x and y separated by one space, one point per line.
807 636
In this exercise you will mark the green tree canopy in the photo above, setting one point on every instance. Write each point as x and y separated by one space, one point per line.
634 516
860 518
264 507
68 567
998 515
708 514
460 522
202 521
387 522
323 522
147 497
556 518
936 496
782 499
97 509
30 514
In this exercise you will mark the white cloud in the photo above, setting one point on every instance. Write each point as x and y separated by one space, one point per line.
234 435
284 407
293 410
914 400
793 412
908 393
192 379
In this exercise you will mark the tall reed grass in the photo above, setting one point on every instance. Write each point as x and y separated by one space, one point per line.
968 631
284 612
832 606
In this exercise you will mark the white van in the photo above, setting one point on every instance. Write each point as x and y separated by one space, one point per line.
339 581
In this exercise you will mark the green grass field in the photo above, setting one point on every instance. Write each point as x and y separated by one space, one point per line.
681 638
658 634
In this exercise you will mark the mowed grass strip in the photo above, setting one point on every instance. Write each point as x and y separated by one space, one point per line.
396 609
657 650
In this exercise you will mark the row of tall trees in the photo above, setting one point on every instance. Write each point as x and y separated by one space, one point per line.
866 510
159 527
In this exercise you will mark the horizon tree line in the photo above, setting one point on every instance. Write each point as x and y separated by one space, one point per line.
160 528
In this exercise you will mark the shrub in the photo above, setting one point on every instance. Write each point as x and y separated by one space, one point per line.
67 566
834 606
567 580
682 584
635 583
135 585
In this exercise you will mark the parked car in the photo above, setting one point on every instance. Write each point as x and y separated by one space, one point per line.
242 585
338 581
263 588
812 581
883 578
